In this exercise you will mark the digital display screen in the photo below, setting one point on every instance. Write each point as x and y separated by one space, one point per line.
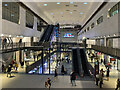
68 35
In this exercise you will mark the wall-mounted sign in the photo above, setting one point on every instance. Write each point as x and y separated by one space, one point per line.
68 35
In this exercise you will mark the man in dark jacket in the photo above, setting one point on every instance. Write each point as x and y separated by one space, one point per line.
73 78
9 71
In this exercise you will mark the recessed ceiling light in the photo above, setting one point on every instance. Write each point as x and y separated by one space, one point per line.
81 13
58 2
12 15
61 12
85 3
71 2
70 12
51 13
6 4
45 4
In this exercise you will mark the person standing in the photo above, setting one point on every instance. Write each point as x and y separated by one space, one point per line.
107 75
101 78
9 71
73 78
114 64
62 70
4 43
56 72
20 42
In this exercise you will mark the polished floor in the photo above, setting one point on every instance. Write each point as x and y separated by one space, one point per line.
22 80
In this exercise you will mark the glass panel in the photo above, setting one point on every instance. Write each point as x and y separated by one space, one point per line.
10 11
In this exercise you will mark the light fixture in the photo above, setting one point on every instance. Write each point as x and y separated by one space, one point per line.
85 3
71 2
70 12
9 35
6 4
81 13
58 2
51 13
2 34
45 4
12 15
114 34
61 12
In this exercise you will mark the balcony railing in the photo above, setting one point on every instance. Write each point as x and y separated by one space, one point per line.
107 50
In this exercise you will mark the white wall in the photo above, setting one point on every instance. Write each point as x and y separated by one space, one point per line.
11 28
108 27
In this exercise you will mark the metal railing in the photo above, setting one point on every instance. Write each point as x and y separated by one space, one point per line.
107 50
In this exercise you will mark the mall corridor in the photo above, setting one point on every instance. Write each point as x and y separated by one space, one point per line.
49 44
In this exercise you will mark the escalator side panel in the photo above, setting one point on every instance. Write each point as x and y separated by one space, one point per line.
84 61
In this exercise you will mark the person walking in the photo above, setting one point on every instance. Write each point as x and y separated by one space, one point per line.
114 64
16 66
49 83
62 70
56 72
101 78
9 71
107 75
118 84
73 78
97 79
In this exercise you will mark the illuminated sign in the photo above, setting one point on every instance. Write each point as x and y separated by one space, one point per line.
68 35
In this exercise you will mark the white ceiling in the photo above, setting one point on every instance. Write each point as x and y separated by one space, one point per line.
57 12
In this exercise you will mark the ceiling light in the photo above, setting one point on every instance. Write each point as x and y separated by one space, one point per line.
58 2
12 15
70 12
6 4
51 13
81 13
85 3
71 2
2 34
9 35
45 4
61 12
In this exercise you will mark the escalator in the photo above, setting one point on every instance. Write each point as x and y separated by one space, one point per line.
76 61
79 61
44 34
84 61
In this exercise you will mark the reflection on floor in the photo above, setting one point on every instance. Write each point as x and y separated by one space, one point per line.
23 80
